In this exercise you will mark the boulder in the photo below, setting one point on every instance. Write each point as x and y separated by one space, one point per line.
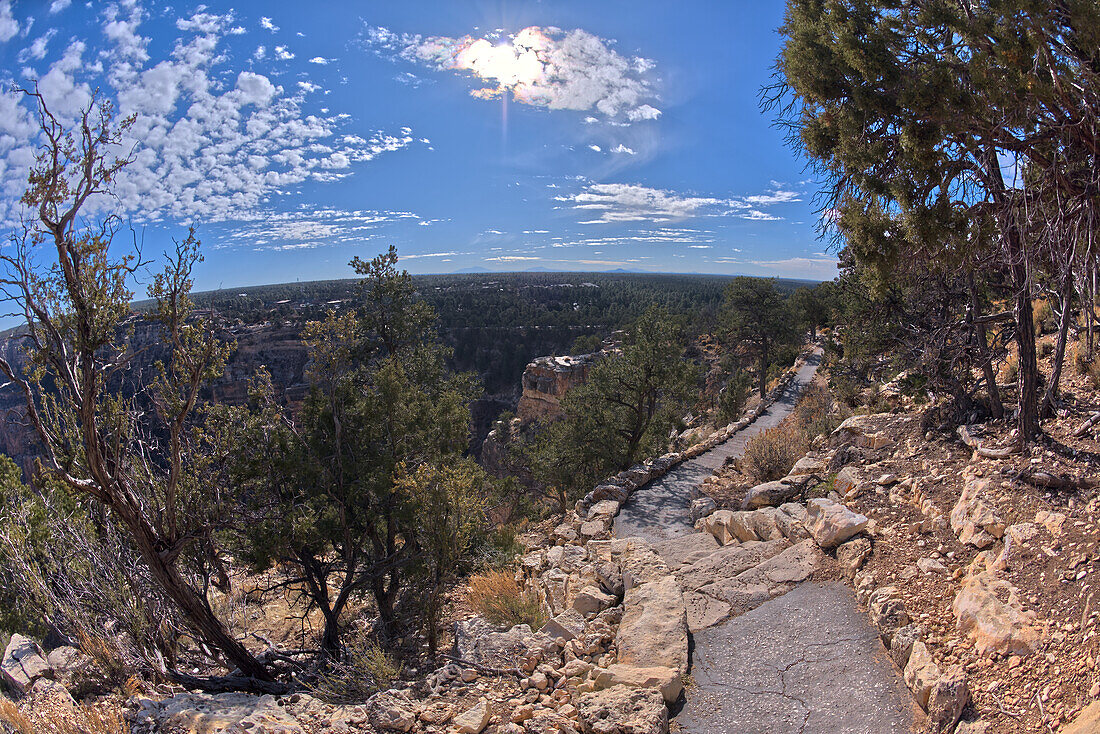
807 465
974 519
566 626
592 600
391 711
831 523
603 509
701 507
888 613
901 644
988 609
665 680
851 554
24 663
770 494
1087 722
203 713
479 642
473 720
638 561
653 631
771 578
921 673
846 481
948 697
623 710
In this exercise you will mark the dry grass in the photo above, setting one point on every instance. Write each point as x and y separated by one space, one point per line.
364 670
499 598
771 454
107 657
82 719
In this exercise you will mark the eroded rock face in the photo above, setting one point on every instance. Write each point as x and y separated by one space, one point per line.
831 523
989 610
624 710
546 380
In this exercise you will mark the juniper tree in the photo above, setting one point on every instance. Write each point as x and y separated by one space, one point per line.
130 450
756 318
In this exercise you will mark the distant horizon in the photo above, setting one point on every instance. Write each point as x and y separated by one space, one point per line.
562 135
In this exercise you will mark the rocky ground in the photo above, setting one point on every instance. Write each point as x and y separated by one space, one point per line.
989 558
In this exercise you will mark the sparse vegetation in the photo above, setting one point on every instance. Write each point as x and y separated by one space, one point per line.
499 598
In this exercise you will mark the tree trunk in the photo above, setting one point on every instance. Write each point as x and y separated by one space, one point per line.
193 605
1047 408
1028 365
995 406
763 379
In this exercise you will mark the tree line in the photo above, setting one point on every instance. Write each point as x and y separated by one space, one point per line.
958 143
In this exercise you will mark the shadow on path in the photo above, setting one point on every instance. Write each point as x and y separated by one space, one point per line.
660 510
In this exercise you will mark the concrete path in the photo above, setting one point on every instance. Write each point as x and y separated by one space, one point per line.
807 662
659 510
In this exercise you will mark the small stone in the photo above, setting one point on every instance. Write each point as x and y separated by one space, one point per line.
474 720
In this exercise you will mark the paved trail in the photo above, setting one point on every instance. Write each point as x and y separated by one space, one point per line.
659 510
807 662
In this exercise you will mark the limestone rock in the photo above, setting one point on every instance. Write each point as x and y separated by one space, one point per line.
686 549
474 720
24 663
591 600
701 507
653 631
887 610
901 644
389 711
624 710
728 561
770 494
947 699
638 561
973 518
807 465
665 680
847 480
851 554
921 674
481 643
1087 722
566 626
988 609
1017 545
202 713
831 523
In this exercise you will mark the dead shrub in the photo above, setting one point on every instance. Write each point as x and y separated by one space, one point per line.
770 455
364 669
501 600
81 719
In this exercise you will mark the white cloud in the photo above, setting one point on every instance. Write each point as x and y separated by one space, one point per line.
58 5
282 54
543 67
636 203
309 227
9 26
268 25
616 202
210 143
596 148
320 60
37 49
620 148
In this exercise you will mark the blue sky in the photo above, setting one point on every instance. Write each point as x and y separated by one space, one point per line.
498 135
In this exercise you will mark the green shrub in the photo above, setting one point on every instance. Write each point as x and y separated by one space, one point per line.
499 598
